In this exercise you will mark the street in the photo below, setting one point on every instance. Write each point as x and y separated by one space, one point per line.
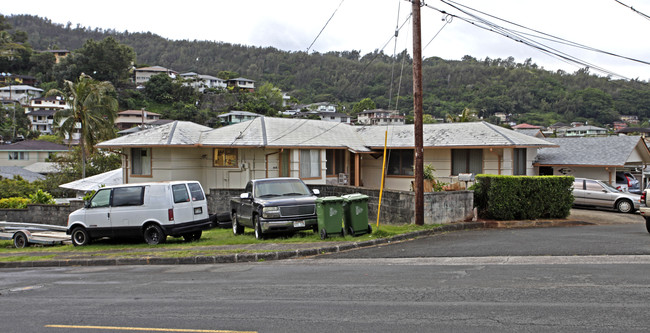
567 279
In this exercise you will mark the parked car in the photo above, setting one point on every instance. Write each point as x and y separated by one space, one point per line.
644 210
148 210
596 193
626 182
274 205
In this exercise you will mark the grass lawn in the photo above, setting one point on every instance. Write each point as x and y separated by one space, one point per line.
209 244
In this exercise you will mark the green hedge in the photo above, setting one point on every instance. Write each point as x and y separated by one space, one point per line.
523 197
14 203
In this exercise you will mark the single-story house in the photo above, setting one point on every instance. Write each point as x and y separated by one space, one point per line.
320 152
594 157
28 152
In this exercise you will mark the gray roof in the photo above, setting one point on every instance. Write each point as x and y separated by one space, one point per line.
450 135
176 133
613 151
113 177
33 145
536 132
9 172
287 132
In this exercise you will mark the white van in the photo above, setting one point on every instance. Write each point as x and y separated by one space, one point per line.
149 210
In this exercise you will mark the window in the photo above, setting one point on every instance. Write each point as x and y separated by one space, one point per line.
18 155
196 191
225 157
466 161
519 161
593 186
128 196
400 162
309 163
101 199
141 161
335 161
180 193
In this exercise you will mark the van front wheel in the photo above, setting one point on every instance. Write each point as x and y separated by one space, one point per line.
80 236
154 235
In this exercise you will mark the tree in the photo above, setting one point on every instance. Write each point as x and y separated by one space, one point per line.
468 115
93 108
363 105
107 60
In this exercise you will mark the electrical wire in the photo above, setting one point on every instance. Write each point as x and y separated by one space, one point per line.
634 10
529 39
392 68
326 23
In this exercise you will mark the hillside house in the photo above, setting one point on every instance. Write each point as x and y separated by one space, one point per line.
200 82
380 117
144 74
130 118
236 117
585 131
319 152
242 84
20 93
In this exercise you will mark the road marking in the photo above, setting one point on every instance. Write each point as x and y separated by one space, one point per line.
501 260
148 329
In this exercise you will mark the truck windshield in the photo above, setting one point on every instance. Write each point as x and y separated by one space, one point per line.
281 188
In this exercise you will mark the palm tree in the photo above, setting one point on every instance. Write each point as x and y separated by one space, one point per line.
92 111
468 115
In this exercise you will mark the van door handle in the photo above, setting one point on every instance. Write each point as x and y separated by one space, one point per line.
108 215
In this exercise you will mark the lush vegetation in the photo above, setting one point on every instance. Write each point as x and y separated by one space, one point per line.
523 197
522 90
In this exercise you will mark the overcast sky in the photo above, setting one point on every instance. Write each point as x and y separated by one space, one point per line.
367 25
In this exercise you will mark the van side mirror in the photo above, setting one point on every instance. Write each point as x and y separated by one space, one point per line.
86 203
316 191
246 195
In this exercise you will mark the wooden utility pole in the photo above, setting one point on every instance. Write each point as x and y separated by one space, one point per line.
417 110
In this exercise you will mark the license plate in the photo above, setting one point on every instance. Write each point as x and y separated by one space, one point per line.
299 224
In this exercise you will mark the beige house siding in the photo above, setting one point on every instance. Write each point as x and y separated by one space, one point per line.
30 157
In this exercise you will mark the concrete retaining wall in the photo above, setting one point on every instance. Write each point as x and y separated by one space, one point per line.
397 206
43 214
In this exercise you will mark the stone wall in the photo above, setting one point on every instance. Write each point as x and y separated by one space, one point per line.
396 206
42 214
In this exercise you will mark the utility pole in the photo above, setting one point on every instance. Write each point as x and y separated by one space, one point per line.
417 110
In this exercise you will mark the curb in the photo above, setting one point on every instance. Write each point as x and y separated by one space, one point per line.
241 257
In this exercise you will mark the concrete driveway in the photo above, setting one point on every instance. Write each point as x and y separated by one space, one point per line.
603 217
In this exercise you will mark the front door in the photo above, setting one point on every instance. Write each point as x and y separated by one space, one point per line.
98 214
285 163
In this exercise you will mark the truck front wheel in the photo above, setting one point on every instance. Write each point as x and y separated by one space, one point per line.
258 228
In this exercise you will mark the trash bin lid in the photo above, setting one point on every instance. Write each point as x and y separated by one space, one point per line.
354 197
329 200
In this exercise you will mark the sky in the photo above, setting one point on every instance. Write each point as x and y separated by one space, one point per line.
368 25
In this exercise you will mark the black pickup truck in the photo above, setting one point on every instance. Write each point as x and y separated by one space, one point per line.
274 205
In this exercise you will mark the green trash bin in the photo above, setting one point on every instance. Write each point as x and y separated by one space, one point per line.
355 207
329 211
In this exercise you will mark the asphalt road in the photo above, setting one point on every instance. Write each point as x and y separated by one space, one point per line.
570 279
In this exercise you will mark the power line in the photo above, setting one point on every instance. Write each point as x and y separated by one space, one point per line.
634 10
326 23
529 39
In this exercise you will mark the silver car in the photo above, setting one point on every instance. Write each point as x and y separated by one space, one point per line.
596 193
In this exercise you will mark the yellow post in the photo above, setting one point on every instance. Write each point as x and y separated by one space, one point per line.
383 176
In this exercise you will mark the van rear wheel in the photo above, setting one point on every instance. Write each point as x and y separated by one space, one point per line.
154 235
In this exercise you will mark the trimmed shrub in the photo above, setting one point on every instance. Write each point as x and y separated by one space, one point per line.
523 197
14 203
